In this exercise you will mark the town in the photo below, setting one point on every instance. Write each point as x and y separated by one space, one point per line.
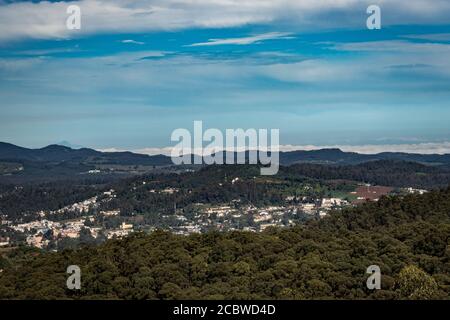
86 222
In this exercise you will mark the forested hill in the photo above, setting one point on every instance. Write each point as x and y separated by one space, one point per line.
20 165
62 154
57 154
407 237
383 172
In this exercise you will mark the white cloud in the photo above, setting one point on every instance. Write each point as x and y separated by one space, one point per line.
48 19
243 40
133 41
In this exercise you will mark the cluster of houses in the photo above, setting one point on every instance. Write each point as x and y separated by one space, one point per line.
124 230
166 190
222 217
415 191
4 221
232 216
41 232
4 241
82 206
227 217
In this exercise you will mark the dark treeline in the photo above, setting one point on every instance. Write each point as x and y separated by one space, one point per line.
384 172
407 237
22 202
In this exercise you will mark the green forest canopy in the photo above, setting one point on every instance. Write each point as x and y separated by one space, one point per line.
408 237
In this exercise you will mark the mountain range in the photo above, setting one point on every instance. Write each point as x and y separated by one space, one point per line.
59 154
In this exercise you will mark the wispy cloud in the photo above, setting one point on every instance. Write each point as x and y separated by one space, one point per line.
244 40
440 37
393 46
45 52
46 19
312 71
133 42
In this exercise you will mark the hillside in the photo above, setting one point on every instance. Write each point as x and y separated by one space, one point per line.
57 162
20 165
57 153
407 237
393 173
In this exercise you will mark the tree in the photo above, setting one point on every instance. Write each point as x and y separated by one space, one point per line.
414 283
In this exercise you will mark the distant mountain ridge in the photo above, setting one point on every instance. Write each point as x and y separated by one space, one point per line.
57 153
337 156
66 143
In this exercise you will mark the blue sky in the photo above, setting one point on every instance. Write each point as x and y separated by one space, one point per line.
137 70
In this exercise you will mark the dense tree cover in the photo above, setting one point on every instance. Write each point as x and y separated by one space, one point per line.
383 172
408 237
22 202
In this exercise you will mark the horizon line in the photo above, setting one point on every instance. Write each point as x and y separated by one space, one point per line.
425 148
